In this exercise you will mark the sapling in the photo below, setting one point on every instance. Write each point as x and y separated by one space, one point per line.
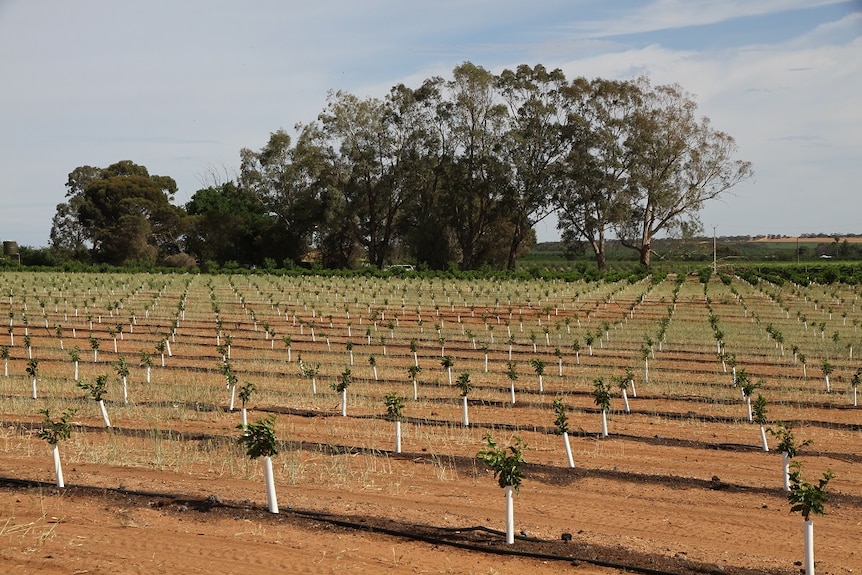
75 356
230 382
464 386
97 391
827 368
94 345
806 499
33 372
372 361
147 362
787 447
758 409
161 346
855 381
310 371
561 422
748 388
259 440
447 363
576 347
245 392
602 397
622 384
28 343
4 355
539 367
123 372
53 432
59 330
558 352
508 470
394 406
413 371
341 386
512 374
349 346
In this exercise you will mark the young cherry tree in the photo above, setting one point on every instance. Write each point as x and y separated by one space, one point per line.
341 387
310 371
394 407
855 381
53 432
748 387
230 382
827 368
75 356
372 361
259 440
413 371
507 466
97 392
245 392
5 355
602 397
561 422
622 383
512 374
123 372
806 498
94 345
147 362
447 362
464 386
787 447
33 372
758 409
539 368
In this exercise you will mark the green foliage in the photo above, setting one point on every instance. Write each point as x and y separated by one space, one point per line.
538 365
506 463
33 367
758 410
55 431
258 438
511 372
4 352
394 406
446 361
344 382
74 354
121 368
602 394
804 497
786 440
413 370
96 390
245 392
561 419
464 384
146 359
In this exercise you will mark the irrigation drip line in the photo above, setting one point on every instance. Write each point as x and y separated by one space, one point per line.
443 536
541 472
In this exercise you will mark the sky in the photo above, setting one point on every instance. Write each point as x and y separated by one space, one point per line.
181 86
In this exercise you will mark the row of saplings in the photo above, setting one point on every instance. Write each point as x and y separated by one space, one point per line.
259 440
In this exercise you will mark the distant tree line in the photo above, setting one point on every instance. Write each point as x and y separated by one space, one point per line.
456 171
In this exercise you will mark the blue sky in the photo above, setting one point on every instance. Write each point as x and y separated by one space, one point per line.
181 87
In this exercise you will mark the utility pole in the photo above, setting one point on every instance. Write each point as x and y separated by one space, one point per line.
714 253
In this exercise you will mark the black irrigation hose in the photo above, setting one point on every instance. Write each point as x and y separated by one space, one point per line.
409 531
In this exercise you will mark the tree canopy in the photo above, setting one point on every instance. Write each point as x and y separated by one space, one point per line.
456 171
